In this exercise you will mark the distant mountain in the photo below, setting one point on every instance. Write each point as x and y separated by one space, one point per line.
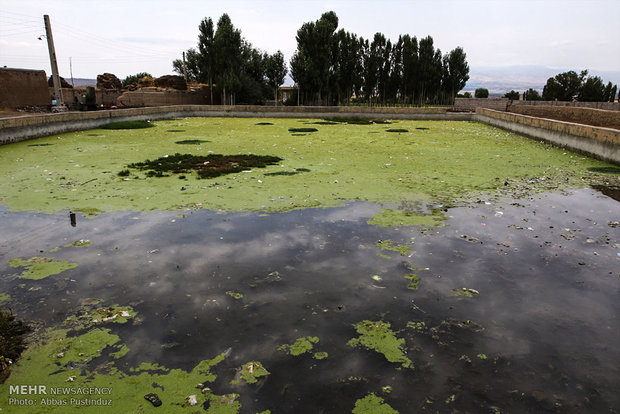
82 82
499 80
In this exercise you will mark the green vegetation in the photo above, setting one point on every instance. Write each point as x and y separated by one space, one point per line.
210 166
481 93
394 247
378 336
133 79
40 267
129 125
569 85
251 371
235 295
413 281
447 164
300 346
372 404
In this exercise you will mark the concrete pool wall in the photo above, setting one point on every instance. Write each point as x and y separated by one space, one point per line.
601 143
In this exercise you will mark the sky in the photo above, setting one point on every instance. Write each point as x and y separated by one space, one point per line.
131 36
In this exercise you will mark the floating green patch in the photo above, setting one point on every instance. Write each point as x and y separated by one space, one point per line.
302 130
397 130
79 243
88 211
210 166
300 346
390 245
191 142
379 337
235 295
391 218
4 297
88 316
372 404
356 120
320 355
40 267
417 326
251 371
413 281
465 292
128 125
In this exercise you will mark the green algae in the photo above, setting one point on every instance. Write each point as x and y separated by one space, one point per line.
377 336
451 161
89 316
300 346
373 404
320 355
129 125
417 326
60 360
390 217
4 297
79 243
251 371
394 247
122 351
414 280
210 166
40 267
465 292
235 295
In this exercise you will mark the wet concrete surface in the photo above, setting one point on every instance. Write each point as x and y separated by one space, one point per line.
538 334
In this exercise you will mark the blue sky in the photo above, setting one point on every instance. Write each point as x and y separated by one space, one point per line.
126 37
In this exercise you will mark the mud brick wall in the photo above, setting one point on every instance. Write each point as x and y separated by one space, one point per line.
155 97
588 116
471 104
601 143
609 106
22 87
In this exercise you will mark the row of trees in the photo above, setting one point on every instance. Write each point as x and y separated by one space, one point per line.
241 72
330 67
570 86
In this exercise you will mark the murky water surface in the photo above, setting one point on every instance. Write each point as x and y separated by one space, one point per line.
517 307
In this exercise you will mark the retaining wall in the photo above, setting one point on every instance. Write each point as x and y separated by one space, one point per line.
579 115
602 143
26 127
471 104
608 106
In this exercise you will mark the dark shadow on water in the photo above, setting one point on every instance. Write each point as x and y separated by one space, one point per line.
539 336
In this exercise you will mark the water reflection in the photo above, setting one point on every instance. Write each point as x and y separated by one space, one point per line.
540 335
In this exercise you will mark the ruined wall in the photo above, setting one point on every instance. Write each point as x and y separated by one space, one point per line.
588 116
158 97
601 143
23 87
471 104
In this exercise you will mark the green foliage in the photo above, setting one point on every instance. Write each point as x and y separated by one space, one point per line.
128 125
275 70
569 86
531 95
210 166
512 95
132 79
481 93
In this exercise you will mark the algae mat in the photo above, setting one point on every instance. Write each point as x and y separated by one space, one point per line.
339 162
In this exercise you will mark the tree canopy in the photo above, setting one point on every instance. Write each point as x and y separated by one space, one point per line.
330 67
569 86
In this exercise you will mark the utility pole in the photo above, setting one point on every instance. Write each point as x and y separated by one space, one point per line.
184 68
55 77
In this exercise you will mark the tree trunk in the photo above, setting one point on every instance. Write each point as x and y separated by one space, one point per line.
275 97
211 89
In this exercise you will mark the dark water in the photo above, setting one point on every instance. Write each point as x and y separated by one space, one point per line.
546 318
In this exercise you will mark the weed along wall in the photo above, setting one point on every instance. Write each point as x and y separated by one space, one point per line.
602 143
